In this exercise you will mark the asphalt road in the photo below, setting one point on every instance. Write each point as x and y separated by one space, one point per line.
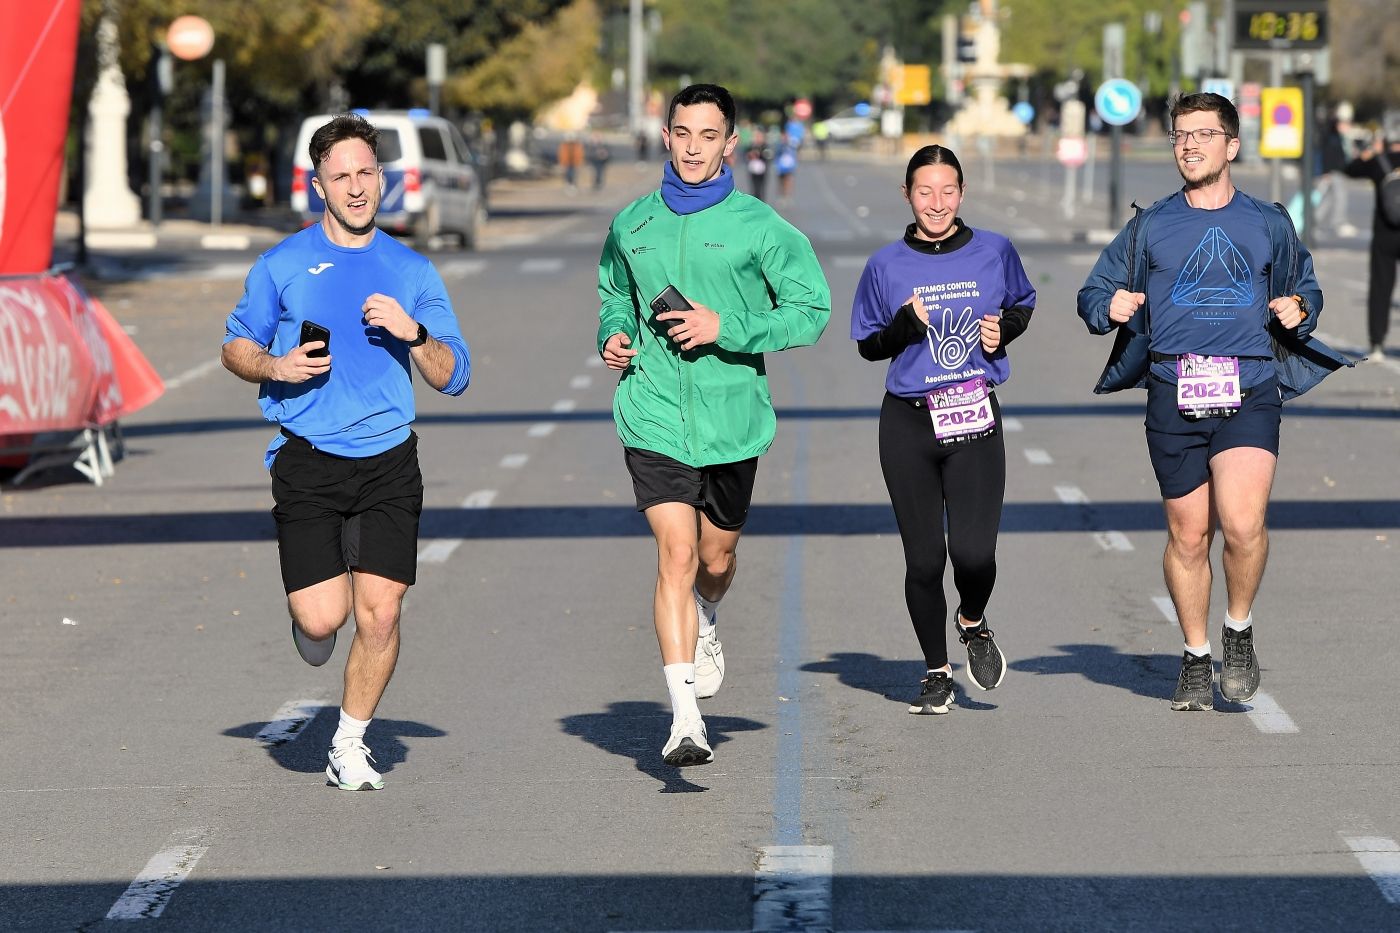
165 746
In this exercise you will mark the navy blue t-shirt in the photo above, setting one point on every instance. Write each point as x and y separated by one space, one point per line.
1208 285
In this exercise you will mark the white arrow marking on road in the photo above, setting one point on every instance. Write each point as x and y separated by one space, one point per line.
288 722
1380 857
148 894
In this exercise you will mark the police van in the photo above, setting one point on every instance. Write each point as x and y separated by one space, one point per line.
432 183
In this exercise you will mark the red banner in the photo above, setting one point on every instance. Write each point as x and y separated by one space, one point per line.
38 42
65 363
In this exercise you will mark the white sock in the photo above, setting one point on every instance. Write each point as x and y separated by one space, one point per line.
707 611
349 728
945 669
1236 626
680 682
1200 651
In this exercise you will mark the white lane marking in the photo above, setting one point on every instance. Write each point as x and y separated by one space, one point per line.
1038 457
514 461
1165 607
438 550
580 382
193 373
1071 495
481 499
543 429
1012 424
792 890
1268 717
148 894
849 262
594 362
1380 857
1113 541
563 405
537 266
289 721
225 241
461 268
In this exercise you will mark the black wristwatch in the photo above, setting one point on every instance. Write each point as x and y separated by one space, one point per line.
422 337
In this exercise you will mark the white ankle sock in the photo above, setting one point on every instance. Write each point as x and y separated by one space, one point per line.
707 609
1236 626
680 682
1200 651
945 669
349 728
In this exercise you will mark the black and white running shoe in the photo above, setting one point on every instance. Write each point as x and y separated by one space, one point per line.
985 664
1239 666
1195 687
935 696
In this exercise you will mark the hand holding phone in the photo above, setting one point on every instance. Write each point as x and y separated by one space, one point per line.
669 300
312 332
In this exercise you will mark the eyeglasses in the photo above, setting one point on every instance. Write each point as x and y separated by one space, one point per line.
1199 137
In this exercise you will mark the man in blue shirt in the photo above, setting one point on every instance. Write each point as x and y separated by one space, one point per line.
344 463
1221 298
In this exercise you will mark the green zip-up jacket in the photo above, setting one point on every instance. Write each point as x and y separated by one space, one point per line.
708 405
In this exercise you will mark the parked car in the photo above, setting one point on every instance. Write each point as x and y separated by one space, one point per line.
851 123
433 182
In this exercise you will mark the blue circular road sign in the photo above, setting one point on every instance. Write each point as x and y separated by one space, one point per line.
1118 101
1024 112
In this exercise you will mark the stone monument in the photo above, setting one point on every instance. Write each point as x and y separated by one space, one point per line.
985 112
109 202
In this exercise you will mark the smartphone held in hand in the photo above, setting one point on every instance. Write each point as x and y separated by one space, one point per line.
310 332
670 300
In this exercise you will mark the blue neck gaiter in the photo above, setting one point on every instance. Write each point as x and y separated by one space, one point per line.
687 199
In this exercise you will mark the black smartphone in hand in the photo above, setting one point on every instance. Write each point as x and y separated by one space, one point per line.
670 300
311 331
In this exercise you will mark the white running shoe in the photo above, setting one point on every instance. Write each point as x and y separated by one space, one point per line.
687 744
349 768
313 651
709 658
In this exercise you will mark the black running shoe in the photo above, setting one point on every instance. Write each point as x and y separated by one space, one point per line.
1195 688
1239 667
985 664
935 696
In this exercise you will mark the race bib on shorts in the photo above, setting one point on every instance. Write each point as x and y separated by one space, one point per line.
1207 386
961 412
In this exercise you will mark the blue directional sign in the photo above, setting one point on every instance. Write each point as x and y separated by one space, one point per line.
1024 112
1118 101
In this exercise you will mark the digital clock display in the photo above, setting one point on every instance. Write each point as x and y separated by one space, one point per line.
1280 25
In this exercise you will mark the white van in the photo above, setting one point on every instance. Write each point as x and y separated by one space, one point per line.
431 182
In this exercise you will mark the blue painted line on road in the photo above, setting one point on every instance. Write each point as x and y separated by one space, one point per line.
787 796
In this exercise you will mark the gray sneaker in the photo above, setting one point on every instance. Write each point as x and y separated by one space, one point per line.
1239 666
1195 688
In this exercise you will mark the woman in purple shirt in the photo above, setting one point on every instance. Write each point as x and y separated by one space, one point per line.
941 305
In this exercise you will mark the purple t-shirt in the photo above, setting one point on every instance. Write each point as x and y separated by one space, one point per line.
958 288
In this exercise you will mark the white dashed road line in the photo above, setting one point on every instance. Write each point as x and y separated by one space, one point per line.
563 406
1380 857
438 550
543 429
193 373
1113 541
514 461
580 382
145 898
1038 457
1012 424
1071 495
541 266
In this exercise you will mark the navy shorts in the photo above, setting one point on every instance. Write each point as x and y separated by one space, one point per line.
1181 448
339 513
722 491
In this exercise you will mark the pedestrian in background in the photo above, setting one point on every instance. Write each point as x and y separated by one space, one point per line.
1212 297
785 164
598 156
941 304
1380 162
696 282
570 158
756 163
344 462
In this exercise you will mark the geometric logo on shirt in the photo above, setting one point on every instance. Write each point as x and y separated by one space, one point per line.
318 269
955 340
1216 274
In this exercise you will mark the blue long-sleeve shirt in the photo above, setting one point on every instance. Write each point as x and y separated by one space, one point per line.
364 405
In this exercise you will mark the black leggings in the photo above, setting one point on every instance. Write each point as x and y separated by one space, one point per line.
923 479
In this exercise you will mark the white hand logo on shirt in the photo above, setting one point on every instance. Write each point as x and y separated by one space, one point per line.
955 340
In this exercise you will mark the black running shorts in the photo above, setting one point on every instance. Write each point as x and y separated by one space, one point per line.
337 513
1180 448
722 491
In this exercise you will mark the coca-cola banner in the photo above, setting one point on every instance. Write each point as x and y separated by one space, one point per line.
38 42
65 363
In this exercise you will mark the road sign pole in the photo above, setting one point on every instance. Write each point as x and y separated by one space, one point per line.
1115 175
1309 157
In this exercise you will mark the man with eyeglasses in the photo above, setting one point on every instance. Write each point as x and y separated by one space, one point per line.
1213 299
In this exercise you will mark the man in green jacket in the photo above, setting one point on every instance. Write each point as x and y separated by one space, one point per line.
692 406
